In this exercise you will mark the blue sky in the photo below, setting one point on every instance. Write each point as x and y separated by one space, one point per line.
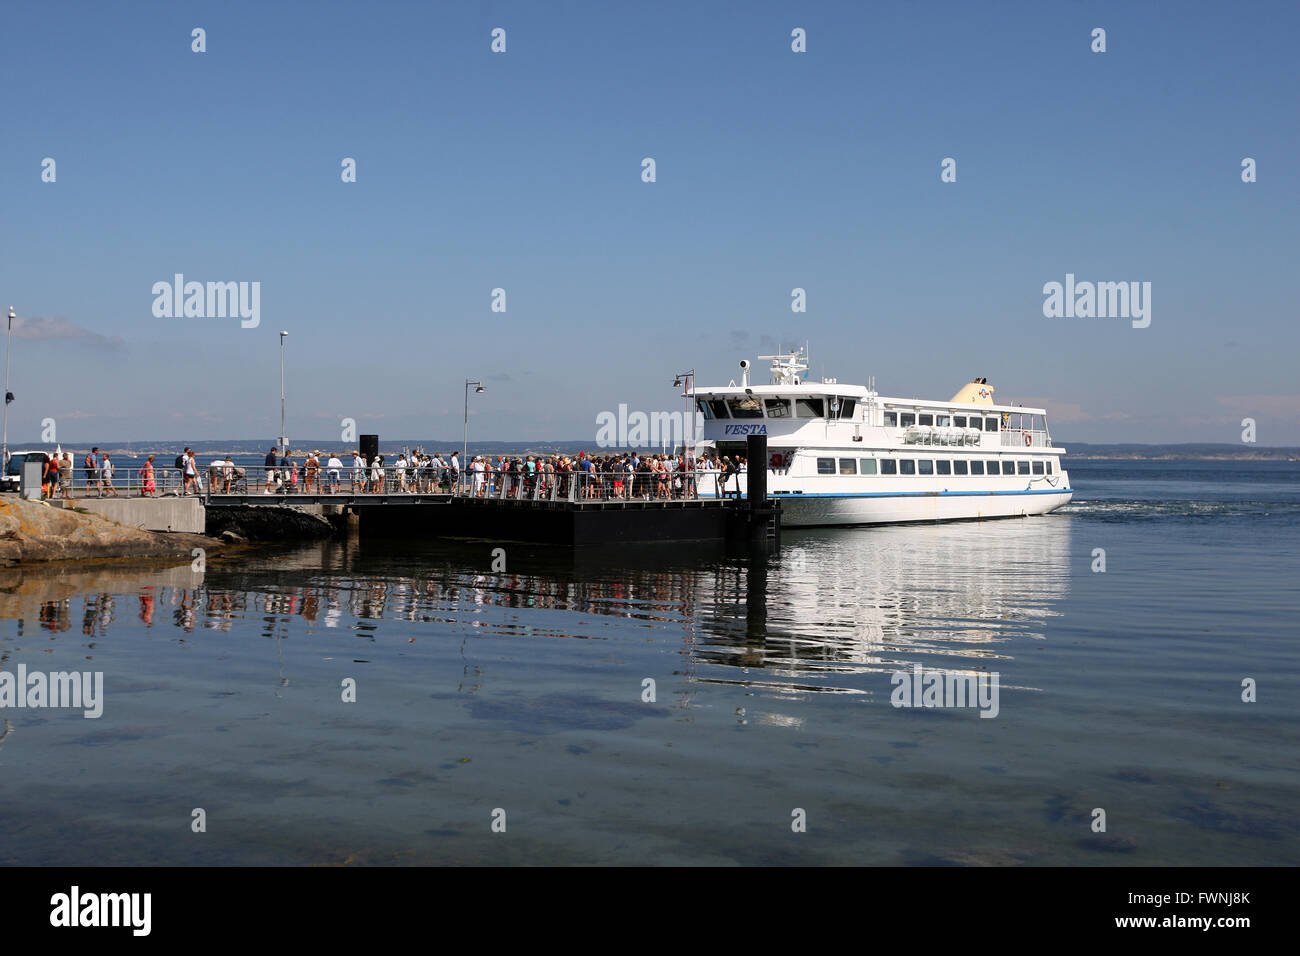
522 171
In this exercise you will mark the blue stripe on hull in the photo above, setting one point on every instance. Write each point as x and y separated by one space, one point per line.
925 494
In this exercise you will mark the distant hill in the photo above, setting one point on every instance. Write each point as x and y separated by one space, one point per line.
1206 450
169 449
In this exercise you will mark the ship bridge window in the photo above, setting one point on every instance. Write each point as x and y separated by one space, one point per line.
718 407
959 421
777 407
846 407
1049 466
907 419
990 423
1038 467
745 407
705 409
810 407
867 466
825 466
943 421
891 419
926 420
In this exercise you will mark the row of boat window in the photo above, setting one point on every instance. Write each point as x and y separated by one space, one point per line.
932 466
747 406
904 419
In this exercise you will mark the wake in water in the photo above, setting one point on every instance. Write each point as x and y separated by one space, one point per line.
1133 509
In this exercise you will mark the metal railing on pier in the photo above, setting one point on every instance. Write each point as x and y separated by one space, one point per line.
547 484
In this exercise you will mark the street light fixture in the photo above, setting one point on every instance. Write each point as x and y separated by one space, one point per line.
284 441
9 396
687 382
464 450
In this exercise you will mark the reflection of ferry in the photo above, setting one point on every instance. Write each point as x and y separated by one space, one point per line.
855 601
843 454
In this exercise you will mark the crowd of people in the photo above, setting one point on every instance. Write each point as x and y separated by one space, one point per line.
627 476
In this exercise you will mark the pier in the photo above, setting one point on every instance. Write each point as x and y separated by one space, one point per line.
571 510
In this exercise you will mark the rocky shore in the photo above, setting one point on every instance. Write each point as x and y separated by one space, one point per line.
31 531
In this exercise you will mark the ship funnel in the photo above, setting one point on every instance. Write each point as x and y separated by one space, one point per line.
978 392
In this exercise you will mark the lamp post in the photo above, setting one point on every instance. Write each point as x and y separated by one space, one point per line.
464 450
284 441
687 381
8 395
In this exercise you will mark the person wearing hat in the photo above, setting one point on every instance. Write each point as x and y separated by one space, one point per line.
358 473
310 469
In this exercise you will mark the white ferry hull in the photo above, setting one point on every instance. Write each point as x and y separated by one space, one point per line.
821 511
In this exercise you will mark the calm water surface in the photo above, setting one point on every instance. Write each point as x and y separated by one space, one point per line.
522 690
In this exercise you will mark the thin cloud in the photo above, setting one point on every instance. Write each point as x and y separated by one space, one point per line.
61 330
1283 406
1069 413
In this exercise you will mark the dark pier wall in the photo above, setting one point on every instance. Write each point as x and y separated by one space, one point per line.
553 523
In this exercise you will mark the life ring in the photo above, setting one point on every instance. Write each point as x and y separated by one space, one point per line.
776 461
1029 439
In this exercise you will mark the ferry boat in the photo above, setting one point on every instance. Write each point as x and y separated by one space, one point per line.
845 455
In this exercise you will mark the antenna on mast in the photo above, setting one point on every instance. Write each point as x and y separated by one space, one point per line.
786 366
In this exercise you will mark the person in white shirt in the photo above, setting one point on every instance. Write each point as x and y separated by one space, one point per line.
478 477
106 477
401 472
454 465
333 467
358 473
218 477
191 474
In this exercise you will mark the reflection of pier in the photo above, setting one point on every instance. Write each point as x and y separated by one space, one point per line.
831 612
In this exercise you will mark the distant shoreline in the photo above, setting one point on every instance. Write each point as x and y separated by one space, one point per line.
1075 451
1072 456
